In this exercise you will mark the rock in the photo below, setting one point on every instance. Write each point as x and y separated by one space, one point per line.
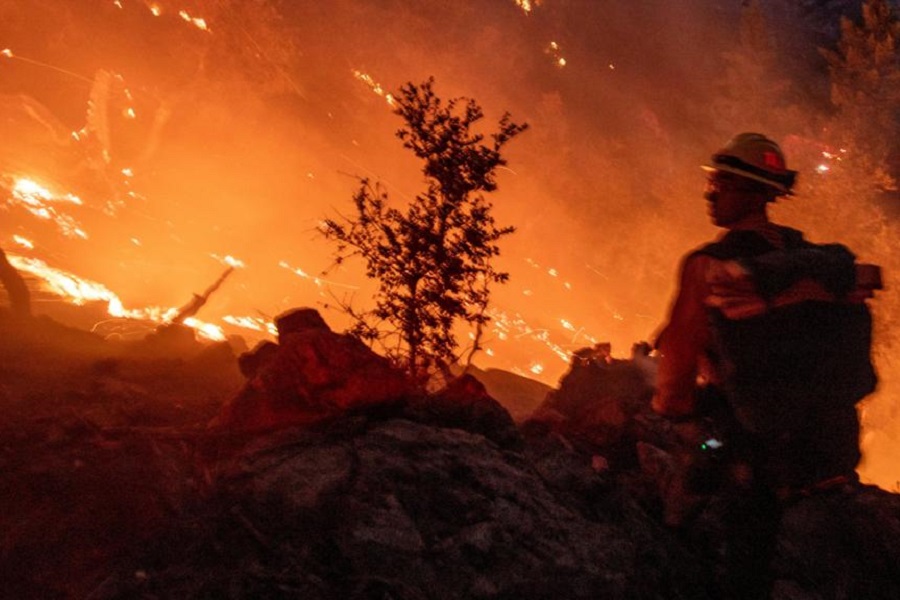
261 354
299 320
596 405
312 374
517 394
409 510
465 404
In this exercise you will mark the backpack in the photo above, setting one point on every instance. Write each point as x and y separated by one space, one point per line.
793 374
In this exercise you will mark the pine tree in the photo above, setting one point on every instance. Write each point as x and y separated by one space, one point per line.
865 89
753 95
432 260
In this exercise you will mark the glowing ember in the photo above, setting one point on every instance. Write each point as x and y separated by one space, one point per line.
554 51
155 9
7 53
195 21
316 280
374 85
527 5
229 261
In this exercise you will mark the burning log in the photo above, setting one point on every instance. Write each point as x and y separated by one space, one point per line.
19 297
199 300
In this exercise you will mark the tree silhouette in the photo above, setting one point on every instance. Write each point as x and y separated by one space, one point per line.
865 88
432 259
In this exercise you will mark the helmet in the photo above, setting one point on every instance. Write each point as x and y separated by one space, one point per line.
756 157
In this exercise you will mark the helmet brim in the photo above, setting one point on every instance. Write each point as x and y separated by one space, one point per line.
779 187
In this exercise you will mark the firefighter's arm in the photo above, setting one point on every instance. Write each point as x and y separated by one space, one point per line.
683 341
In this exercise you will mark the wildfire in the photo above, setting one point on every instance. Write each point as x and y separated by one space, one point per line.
80 291
39 201
252 323
374 85
195 21
24 242
528 5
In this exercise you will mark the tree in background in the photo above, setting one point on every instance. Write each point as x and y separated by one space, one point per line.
433 259
753 94
849 199
865 92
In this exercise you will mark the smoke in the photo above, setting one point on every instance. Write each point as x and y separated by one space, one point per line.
247 131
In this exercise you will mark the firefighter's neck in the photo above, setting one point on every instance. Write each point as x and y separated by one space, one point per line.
753 221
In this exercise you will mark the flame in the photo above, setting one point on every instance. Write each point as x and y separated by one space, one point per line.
528 5
38 201
252 323
195 21
376 87
229 261
24 242
207 330
80 291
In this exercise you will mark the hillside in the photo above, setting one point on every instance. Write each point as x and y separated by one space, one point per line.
320 481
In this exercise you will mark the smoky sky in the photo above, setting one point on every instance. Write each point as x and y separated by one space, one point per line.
248 134
239 137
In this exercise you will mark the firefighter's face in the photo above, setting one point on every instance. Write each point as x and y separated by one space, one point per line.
732 198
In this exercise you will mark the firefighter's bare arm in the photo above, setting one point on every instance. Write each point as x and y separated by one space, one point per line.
683 342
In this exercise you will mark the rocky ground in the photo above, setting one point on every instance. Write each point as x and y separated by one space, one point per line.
164 468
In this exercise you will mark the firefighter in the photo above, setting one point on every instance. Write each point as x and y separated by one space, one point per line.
770 334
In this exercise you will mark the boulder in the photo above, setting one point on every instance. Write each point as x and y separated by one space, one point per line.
311 374
465 404
596 405
363 509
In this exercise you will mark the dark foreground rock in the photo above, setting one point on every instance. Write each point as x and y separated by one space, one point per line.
362 508
113 488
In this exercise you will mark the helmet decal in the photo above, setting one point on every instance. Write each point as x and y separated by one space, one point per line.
772 159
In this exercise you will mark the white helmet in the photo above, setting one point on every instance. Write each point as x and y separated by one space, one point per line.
756 157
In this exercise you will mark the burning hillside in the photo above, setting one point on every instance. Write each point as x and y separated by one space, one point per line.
150 146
